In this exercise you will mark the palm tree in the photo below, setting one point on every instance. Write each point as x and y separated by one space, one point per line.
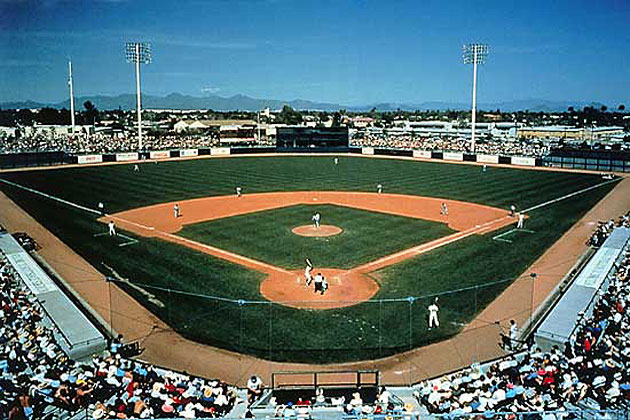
90 111
622 107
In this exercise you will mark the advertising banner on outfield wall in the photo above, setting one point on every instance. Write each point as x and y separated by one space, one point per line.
219 151
160 154
90 159
424 154
523 161
125 157
188 152
367 150
453 156
488 158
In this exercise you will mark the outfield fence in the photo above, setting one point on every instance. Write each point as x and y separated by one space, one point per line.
358 331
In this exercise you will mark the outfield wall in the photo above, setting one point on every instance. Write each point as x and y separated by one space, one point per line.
593 161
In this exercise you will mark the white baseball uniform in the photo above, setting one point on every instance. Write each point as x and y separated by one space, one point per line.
433 315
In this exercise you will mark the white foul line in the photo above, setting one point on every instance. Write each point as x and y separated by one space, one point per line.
61 200
564 197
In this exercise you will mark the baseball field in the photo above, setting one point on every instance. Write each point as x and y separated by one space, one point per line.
229 271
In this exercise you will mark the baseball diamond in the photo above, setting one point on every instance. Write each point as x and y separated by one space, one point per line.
225 273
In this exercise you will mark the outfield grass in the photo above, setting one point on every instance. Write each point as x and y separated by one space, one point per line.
267 235
254 326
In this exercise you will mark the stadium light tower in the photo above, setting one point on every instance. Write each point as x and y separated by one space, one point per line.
474 54
137 53
71 95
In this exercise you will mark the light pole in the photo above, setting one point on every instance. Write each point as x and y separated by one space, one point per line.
71 95
474 54
138 52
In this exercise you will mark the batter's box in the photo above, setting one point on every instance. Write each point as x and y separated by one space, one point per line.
502 237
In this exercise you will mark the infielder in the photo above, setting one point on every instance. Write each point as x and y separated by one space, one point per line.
176 210
521 218
112 228
239 191
379 188
433 314
444 209
316 220
307 272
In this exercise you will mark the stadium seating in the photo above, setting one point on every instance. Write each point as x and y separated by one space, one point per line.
589 373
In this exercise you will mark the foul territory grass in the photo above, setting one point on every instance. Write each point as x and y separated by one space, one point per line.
267 235
219 303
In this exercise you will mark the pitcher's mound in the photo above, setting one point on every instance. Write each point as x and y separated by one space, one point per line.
323 230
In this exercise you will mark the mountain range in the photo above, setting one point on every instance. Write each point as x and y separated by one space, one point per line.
246 103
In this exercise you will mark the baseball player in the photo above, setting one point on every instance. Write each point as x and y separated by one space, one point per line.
239 191
512 210
136 168
317 282
316 220
379 188
336 160
176 210
513 335
324 286
101 207
444 209
433 314
521 218
485 167
112 228
307 272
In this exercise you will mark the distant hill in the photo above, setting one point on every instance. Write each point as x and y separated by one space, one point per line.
246 103
178 101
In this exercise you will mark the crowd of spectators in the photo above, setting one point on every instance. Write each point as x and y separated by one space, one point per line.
35 373
591 371
103 143
450 144
604 229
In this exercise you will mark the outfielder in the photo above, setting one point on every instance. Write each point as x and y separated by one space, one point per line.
136 168
307 272
433 314
336 160
112 228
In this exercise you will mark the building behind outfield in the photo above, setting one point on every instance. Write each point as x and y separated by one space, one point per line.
311 137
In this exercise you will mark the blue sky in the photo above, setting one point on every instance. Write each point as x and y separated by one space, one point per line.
348 52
